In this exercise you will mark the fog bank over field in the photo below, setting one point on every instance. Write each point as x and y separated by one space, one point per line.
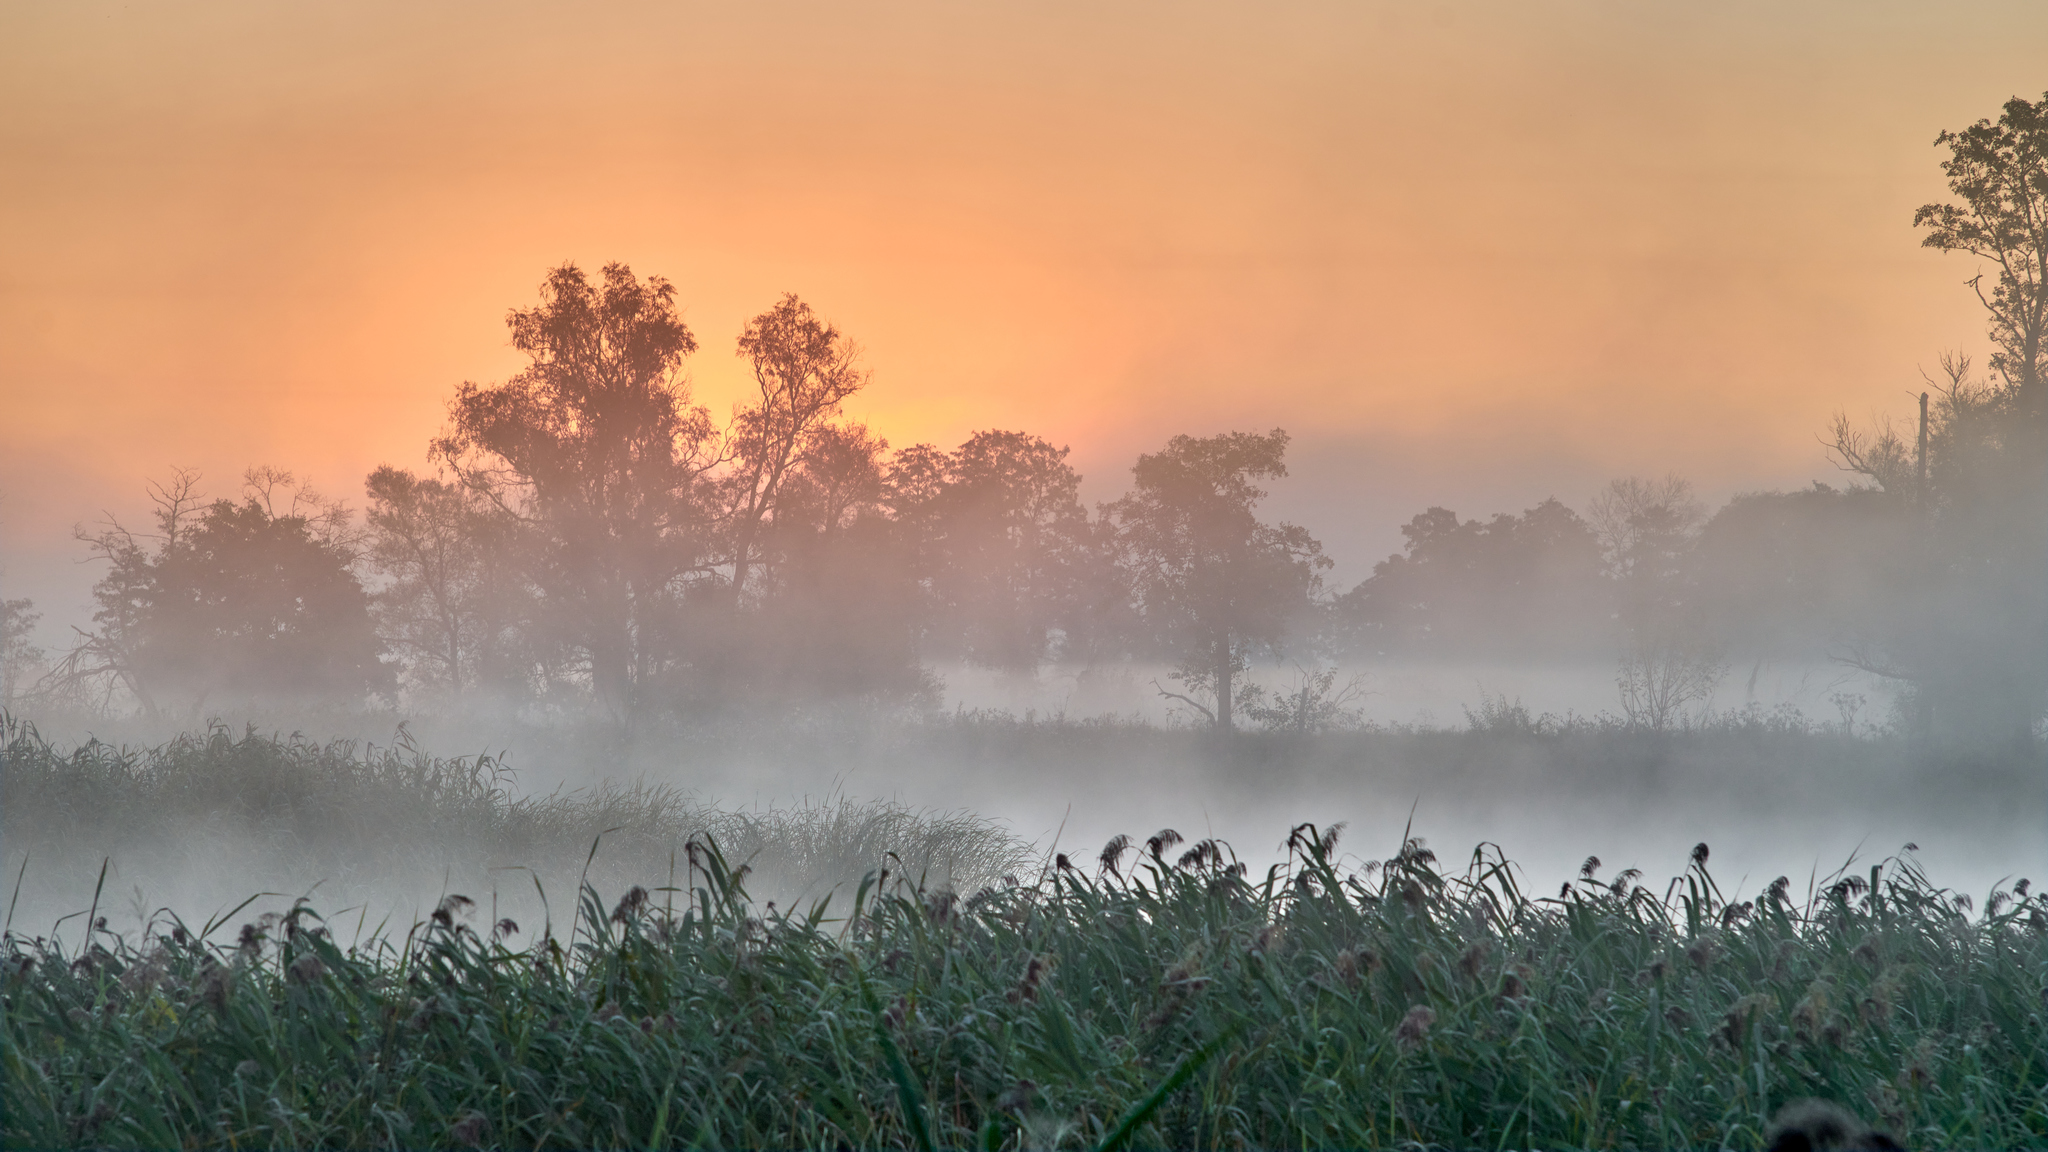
1768 799
1431 693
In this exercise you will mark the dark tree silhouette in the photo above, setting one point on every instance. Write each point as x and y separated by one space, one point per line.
1212 582
596 450
805 369
1971 643
1999 172
235 600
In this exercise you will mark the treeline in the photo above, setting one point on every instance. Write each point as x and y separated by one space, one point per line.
592 538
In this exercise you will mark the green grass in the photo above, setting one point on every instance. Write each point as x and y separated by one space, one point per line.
1176 1003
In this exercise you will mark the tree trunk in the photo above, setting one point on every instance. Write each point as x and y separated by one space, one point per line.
1223 671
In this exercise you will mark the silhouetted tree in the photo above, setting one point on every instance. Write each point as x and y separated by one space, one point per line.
804 369
597 452
242 600
1972 644
1212 582
1807 572
1999 171
1646 529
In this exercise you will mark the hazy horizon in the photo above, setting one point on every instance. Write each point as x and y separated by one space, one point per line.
1469 256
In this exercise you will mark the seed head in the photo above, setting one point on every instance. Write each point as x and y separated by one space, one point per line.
1415 1025
630 904
471 1131
1112 855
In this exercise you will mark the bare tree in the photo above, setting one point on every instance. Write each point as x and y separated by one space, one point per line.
1662 676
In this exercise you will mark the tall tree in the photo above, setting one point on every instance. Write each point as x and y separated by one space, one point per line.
1213 582
804 369
1999 172
1646 530
1972 649
597 451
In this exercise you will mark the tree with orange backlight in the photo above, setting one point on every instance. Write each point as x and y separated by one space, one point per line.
804 369
1970 646
595 452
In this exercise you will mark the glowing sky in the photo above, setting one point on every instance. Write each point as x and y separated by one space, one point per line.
1471 253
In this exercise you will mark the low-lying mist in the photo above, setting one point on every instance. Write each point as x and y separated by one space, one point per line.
384 823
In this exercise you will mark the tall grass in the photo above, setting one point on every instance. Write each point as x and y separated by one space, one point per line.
1155 995
218 808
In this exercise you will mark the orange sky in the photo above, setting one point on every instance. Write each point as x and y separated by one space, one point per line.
1471 253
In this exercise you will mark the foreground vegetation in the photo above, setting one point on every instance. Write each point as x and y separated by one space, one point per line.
1156 995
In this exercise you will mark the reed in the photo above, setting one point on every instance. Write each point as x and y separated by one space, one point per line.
1153 996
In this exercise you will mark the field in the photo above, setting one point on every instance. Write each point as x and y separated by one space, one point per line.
1160 993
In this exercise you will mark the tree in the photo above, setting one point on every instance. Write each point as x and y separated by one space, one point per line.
1646 529
18 653
804 369
596 451
2000 173
452 604
1513 582
1212 582
1971 644
245 600
1003 544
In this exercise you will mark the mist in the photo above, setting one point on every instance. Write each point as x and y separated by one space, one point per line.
1011 437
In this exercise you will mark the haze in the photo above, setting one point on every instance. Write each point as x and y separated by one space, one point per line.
1470 255
1473 254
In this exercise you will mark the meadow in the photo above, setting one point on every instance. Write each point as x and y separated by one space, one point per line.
1158 993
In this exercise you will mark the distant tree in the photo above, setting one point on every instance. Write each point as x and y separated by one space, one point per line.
832 607
19 656
597 452
249 601
1212 581
1803 573
1531 582
804 369
1004 543
1646 529
453 605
